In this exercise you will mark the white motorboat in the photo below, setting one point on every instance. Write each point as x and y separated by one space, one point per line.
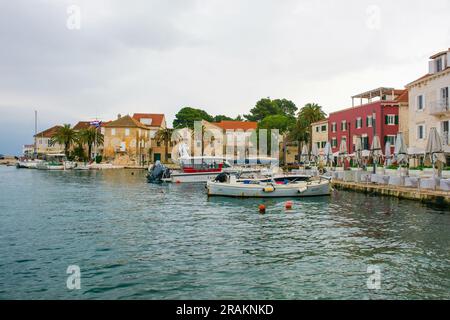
269 188
197 169
55 162
28 163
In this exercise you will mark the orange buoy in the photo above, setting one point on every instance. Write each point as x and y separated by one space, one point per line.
262 208
288 205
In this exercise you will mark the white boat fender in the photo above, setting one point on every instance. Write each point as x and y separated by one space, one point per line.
302 189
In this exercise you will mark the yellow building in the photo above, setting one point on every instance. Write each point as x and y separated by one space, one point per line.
43 142
155 122
319 134
126 142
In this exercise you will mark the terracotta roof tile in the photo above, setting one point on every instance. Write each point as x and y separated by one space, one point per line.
49 132
157 118
125 121
236 125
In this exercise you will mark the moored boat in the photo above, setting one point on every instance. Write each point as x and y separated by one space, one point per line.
233 187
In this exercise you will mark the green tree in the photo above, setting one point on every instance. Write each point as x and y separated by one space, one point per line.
64 136
267 107
221 117
90 137
186 117
302 131
164 135
283 123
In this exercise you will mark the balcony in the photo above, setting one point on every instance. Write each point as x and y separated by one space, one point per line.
439 107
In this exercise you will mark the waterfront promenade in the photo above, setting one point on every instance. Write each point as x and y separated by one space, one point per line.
439 197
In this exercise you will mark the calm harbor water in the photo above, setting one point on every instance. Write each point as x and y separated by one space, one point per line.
133 240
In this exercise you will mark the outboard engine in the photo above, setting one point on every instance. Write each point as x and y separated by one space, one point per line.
157 172
221 177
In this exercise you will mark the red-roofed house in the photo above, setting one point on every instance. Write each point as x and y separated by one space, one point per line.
43 145
154 122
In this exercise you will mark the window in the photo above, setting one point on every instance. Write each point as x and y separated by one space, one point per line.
390 139
438 64
334 142
333 127
358 123
420 102
444 96
113 131
123 146
420 131
365 142
323 144
317 128
318 145
127 132
344 125
391 119
369 121
324 128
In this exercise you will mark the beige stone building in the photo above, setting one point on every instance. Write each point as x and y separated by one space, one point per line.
43 142
126 142
154 122
429 104
320 134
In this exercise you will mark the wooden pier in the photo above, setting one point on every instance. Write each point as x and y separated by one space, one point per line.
438 197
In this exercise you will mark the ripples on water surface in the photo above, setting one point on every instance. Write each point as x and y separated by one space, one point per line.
133 240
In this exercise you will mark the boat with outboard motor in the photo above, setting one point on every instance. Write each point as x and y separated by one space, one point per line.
274 187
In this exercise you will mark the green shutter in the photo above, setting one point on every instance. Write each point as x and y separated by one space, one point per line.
396 119
386 119
367 121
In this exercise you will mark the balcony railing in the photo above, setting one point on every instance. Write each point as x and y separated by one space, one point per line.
439 107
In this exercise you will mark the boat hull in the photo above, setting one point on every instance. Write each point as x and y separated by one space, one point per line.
303 189
192 177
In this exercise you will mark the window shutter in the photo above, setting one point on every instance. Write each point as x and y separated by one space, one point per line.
386 119
385 139
396 119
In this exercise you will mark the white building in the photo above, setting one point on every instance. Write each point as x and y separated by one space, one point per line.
429 104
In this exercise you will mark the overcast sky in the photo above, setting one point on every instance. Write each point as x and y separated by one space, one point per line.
219 55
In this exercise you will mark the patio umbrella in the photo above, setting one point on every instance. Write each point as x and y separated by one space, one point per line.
314 152
375 150
400 150
358 150
305 153
328 153
434 148
343 149
387 154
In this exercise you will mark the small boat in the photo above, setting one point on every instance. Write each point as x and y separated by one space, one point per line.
55 162
269 188
28 163
193 169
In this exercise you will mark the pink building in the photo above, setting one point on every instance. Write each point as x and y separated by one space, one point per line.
347 124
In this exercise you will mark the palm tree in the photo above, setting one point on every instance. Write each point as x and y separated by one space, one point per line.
164 135
91 137
65 136
302 131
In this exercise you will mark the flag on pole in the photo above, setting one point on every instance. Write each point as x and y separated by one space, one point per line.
96 123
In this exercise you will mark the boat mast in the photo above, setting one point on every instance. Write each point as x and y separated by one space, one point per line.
35 133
